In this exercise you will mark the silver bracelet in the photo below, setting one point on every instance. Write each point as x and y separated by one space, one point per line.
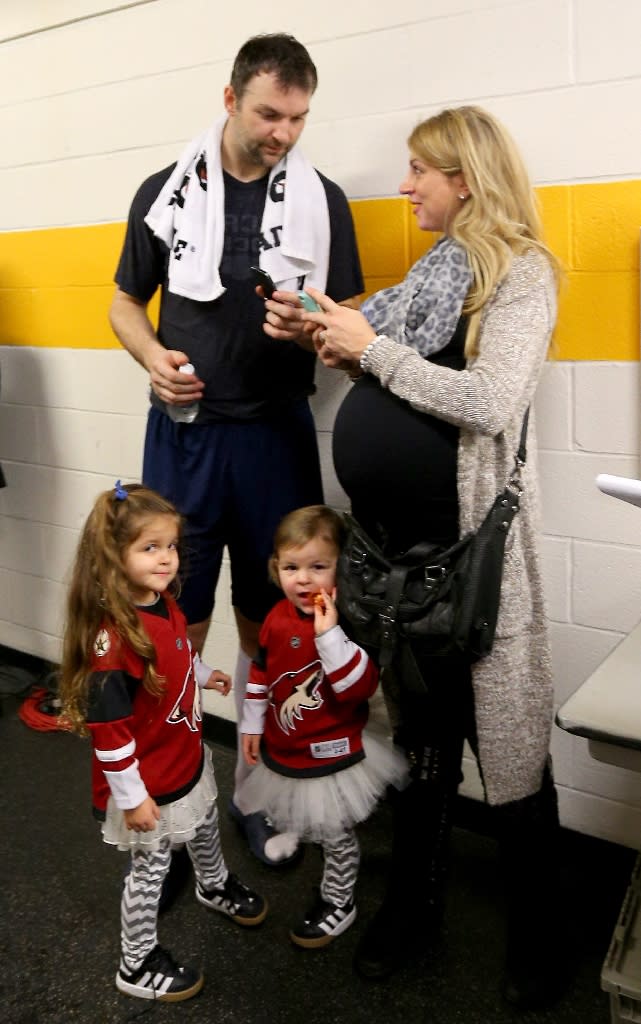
364 354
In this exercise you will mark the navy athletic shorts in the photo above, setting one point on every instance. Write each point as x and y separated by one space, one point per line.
232 483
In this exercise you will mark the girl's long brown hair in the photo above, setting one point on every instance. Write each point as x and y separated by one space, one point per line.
99 594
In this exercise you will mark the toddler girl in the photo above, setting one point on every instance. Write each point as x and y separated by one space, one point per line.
129 680
305 711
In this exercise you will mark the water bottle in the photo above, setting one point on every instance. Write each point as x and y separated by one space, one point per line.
183 413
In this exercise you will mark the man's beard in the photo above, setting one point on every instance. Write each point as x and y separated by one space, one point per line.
255 155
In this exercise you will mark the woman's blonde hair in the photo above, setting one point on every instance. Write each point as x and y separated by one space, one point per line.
99 592
499 219
305 524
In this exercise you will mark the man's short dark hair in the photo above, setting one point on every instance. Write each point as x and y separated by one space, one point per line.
276 54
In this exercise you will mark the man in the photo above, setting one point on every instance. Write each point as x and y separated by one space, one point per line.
240 195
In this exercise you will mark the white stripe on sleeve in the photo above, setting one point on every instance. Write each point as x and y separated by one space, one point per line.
127 788
119 754
253 717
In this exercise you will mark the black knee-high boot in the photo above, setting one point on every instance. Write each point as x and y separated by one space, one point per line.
529 848
412 908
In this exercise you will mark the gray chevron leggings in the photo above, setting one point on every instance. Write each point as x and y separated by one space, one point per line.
340 871
141 892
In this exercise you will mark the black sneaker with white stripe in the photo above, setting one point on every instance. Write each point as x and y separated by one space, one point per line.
236 900
322 923
160 977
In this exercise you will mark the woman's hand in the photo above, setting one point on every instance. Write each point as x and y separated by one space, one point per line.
341 334
144 817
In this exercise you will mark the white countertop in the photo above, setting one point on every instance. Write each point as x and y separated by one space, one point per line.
606 708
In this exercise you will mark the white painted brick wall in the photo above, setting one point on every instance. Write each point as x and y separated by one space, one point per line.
576 652
100 100
606 586
497 66
607 408
573 506
607 37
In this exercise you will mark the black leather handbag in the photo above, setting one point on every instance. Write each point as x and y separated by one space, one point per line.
443 600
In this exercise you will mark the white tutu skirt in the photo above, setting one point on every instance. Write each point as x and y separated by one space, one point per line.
321 809
179 821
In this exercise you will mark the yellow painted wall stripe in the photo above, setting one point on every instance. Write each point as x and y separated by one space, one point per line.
56 283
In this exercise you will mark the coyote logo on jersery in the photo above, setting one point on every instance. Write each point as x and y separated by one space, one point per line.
187 707
304 696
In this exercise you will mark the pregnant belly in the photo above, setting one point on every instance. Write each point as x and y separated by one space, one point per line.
396 465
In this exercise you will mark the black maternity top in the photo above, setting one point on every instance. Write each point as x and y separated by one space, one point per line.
397 465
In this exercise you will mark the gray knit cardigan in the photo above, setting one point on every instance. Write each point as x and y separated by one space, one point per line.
487 399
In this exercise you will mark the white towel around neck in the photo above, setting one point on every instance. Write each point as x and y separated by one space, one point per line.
190 220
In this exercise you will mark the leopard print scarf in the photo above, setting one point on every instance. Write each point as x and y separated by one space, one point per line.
423 310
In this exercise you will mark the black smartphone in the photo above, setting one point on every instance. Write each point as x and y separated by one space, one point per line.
264 280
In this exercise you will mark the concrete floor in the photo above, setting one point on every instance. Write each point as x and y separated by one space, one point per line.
59 920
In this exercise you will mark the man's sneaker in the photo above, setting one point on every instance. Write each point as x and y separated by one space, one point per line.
235 899
160 977
261 837
322 923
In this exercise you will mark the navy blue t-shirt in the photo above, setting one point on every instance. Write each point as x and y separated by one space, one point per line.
247 375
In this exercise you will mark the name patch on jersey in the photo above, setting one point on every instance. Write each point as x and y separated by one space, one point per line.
330 748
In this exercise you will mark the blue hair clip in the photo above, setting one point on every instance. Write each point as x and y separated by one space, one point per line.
120 491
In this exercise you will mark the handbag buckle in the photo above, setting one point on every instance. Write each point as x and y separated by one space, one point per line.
433 574
514 484
388 632
515 477
387 618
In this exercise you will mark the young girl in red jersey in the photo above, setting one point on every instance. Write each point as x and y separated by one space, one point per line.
305 711
130 681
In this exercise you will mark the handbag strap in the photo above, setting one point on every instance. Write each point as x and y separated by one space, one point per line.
387 617
521 454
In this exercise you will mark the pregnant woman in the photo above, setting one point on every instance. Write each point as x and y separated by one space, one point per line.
445 365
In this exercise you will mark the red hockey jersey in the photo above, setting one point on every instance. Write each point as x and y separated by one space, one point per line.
144 744
307 695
